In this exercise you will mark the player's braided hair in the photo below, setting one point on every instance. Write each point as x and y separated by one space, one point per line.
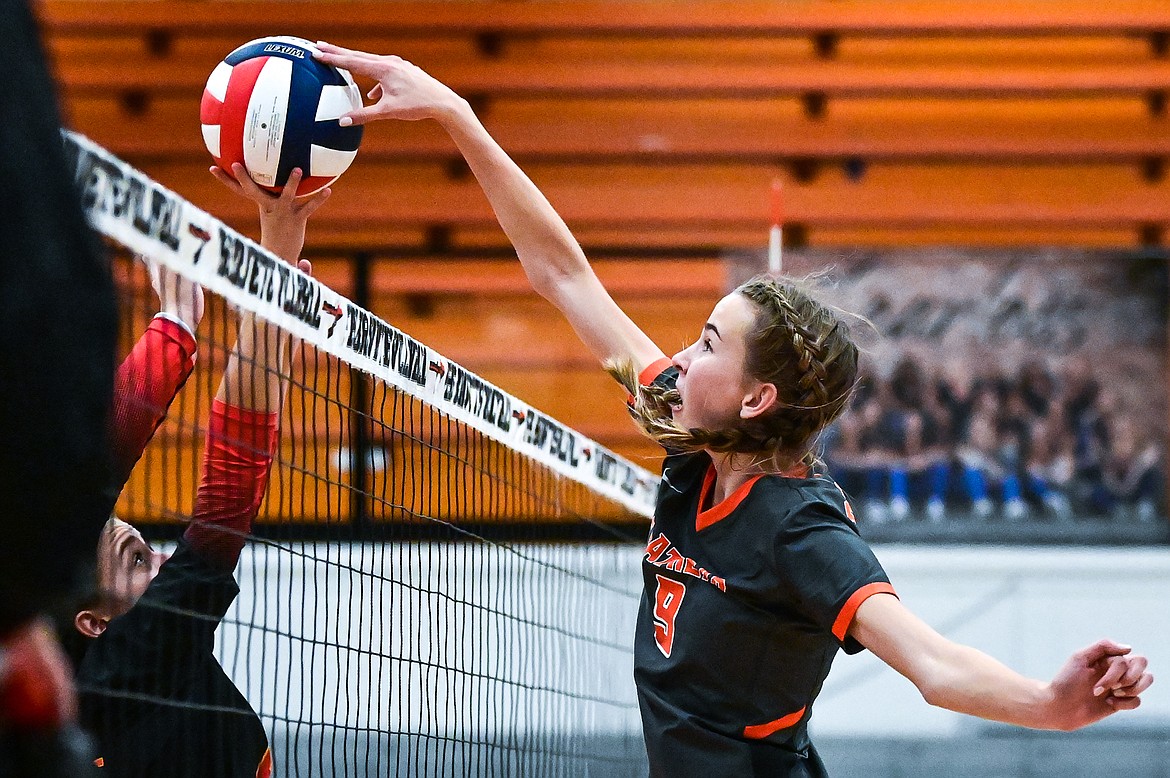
797 344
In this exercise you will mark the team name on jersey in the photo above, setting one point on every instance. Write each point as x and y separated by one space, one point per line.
660 552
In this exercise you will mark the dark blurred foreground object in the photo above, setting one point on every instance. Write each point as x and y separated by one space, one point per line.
57 329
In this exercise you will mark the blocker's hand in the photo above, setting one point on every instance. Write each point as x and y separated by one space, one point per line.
403 91
283 217
177 296
1096 682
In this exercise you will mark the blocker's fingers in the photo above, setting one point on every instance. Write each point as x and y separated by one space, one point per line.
353 61
314 201
249 187
1123 703
359 116
289 193
1139 685
1111 677
1135 668
222 176
332 49
1090 655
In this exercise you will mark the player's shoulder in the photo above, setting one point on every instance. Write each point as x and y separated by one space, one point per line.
813 500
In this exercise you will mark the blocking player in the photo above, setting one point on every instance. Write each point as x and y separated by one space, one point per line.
152 692
754 573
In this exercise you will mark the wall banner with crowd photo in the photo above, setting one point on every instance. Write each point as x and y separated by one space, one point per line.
1006 394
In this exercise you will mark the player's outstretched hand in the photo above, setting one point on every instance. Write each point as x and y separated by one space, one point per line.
177 296
403 91
1095 682
283 217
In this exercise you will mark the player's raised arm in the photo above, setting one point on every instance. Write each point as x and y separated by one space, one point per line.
1094 683
257 366
155 369
243 430
550 255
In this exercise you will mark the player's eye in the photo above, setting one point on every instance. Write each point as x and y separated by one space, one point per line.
706 344
139 559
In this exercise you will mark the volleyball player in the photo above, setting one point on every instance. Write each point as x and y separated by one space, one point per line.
754 572
152 691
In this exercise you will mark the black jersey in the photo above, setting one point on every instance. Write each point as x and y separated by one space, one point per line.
744 607
153 694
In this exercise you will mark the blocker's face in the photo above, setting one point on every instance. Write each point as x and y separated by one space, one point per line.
126 566
712 381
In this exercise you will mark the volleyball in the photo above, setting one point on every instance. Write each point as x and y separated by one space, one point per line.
272 107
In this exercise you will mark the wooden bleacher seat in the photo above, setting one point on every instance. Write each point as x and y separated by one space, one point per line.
636 116
735 19
888 194
656 129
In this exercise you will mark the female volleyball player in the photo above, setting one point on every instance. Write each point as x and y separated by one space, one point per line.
754 573
152 692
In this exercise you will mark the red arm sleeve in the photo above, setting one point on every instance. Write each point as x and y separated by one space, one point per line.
144 386
236 463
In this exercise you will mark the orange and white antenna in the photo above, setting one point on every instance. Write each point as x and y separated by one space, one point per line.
776 234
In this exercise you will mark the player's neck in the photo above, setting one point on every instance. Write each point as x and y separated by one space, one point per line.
733 471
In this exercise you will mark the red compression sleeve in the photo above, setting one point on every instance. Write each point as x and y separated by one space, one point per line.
144 386
236 463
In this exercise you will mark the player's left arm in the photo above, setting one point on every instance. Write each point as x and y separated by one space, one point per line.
243 430
155 370
1094 683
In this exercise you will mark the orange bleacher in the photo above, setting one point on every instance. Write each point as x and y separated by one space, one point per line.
656 130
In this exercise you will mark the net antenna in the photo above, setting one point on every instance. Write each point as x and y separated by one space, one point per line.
776 233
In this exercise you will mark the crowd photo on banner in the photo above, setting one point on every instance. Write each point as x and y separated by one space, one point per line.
1007 388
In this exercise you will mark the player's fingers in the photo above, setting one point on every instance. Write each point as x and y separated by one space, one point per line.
1136 688
226 179
1101 649
375 93
354 61
289 193
359 116
1135 668
1123 703
333 48
1111 677
1145 682
305 266
248 187
314 201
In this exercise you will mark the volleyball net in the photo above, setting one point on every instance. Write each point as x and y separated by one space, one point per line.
402 610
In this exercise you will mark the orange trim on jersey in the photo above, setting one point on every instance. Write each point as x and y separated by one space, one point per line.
265 768
848 508
849 610
716 513
653 370
761 731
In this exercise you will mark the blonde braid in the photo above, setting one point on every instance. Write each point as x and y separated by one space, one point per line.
799 346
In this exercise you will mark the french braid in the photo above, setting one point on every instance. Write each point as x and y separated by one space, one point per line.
798 345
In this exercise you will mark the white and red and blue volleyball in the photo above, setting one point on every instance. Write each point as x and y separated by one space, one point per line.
271 107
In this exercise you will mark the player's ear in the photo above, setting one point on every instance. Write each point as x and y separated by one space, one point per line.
761 399
89 623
